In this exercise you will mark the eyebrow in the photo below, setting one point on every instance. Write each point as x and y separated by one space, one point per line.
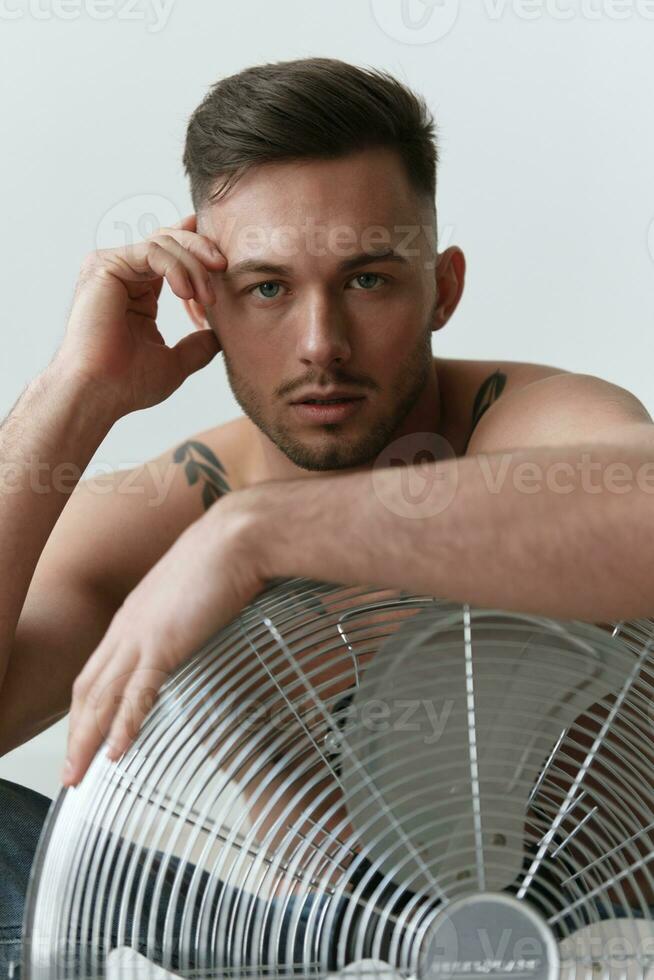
271 268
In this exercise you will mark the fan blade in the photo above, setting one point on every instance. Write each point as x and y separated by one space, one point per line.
446 736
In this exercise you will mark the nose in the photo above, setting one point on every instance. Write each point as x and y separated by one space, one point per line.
323 334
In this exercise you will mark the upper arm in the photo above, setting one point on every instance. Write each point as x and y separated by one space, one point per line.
112 530
115 527
563 409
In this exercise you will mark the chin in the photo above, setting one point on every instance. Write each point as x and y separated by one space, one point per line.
338 456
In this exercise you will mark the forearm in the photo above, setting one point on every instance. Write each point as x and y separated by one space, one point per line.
479 536
46 442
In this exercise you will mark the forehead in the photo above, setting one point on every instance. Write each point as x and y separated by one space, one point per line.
313 197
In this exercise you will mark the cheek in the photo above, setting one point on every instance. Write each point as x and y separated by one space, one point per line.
384 338
396 314
252 361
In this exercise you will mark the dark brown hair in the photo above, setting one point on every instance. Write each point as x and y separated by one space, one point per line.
316 108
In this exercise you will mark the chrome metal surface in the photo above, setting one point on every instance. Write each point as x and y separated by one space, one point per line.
481 804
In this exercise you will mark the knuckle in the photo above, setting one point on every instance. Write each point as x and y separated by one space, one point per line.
162 241
92 264
95 695
91 259
152 245
126 725
167 258
179 252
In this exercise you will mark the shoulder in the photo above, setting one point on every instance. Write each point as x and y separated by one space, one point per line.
552 407
212 461
469 388
117 525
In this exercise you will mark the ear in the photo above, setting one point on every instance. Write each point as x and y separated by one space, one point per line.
450 273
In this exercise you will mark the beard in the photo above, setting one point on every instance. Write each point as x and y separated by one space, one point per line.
344 452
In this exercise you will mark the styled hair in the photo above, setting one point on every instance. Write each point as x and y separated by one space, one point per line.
309 108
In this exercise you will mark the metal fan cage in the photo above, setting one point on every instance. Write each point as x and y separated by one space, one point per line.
344 774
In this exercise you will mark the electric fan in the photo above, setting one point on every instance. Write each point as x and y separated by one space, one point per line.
366 782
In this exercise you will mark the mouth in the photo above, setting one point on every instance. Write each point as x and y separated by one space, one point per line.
328 409
329 401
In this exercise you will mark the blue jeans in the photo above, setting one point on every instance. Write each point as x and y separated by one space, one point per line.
22 814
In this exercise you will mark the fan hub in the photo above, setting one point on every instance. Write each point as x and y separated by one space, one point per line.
489 934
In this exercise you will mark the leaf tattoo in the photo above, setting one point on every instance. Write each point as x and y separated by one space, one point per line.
208 466
489 391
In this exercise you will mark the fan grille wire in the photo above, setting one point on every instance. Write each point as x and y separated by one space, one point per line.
353 839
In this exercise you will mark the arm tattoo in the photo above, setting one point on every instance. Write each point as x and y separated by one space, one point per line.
489 391
199 461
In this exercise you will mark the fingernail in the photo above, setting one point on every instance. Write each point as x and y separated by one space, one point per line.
67 771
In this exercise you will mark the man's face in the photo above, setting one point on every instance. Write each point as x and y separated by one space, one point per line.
318 324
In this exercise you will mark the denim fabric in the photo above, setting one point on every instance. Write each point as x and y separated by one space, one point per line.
22 814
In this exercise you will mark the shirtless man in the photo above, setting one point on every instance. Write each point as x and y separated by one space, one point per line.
89 574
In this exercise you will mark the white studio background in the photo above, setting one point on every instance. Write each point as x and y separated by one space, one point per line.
547 154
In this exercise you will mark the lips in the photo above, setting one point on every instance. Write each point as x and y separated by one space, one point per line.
332 412
335 394
327 401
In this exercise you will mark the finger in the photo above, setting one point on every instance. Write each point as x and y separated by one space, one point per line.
185 233
142 290
189 222
136 702
146 305
87 731
163 257
206 250
196 253
151 259
94 706
196 350
193 267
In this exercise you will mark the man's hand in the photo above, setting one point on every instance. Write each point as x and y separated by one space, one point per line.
202 582
112 339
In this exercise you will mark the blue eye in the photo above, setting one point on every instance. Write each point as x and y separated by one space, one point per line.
363 275
271 282
263 285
